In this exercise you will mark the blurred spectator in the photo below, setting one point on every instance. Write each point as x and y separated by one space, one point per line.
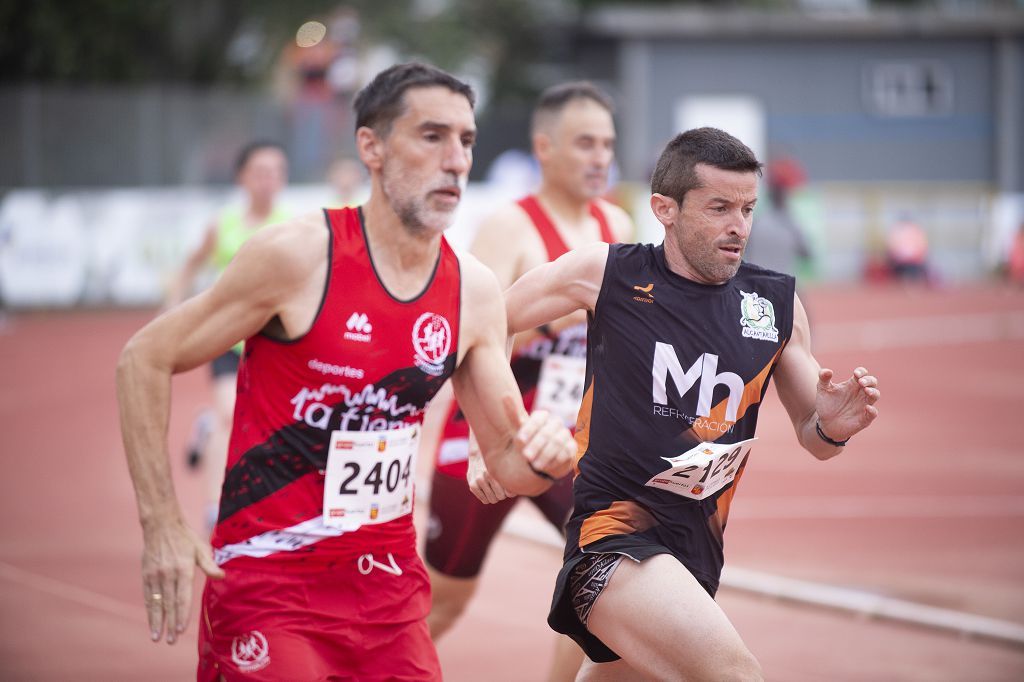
776 241
1015 262
5 239
317 73
347 179
907 250
261 170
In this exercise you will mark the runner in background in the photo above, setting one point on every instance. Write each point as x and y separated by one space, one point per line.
907 250
261 171
348 182
573 138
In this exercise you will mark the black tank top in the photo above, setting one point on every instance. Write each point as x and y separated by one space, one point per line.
671 363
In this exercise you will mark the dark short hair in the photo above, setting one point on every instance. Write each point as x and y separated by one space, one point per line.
676 171
382 101
246 152
557 97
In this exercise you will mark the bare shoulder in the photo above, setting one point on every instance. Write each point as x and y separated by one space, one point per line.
505 244
289 250
620 222
507 234
508 216
483 307
479 283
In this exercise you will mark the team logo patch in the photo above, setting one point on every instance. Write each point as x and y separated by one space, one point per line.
431 340
757 317
250 652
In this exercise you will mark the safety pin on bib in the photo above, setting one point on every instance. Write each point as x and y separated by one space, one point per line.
367 563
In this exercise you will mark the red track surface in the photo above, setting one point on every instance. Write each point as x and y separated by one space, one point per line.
927 506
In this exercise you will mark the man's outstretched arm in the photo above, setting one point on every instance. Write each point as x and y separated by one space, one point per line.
524 453
822 411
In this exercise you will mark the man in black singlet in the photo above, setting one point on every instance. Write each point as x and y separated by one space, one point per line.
683 339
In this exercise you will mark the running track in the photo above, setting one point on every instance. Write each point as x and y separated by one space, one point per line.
927 506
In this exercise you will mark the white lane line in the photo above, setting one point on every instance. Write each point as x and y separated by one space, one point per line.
820 594
72 593
911 332
873 605
869 506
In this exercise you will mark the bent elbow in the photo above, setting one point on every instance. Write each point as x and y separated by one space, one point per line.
126 360
135 355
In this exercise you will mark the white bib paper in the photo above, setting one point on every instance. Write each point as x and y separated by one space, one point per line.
560 387
369 476
704 470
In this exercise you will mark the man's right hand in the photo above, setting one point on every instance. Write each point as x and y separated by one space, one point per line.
171 550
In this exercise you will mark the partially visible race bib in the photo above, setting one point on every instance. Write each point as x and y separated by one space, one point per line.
704 470
369 477
560 387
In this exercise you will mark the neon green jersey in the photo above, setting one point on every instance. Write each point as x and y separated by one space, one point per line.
232 233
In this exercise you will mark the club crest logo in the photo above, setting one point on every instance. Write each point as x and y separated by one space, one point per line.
757 317
250 652
431 340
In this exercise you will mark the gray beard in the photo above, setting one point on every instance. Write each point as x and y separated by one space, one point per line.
409 214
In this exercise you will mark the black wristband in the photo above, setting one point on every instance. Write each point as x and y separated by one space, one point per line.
543 474
821 435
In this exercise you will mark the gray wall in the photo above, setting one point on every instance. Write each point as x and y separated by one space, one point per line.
80 137
814 103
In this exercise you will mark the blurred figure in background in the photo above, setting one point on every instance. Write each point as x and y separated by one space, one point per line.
347 179
574 143
779 243
906 250
1015 262
261 170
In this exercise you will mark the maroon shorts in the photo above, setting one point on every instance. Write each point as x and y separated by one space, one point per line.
357 620
462 527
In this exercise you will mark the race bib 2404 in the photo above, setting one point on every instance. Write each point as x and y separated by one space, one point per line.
369 477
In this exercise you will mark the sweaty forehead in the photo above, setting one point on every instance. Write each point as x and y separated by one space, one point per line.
437 105
716 183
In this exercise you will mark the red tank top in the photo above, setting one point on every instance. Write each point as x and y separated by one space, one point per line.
453 449
370 362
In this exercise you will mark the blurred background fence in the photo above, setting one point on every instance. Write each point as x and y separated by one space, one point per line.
112 159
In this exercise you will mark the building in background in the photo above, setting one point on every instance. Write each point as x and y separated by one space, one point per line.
914 110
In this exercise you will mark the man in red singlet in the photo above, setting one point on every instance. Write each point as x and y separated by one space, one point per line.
352 318
573 141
